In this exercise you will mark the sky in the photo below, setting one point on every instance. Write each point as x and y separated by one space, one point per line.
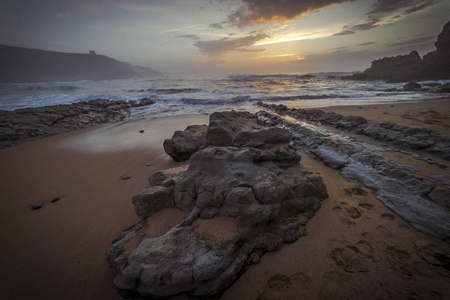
218 37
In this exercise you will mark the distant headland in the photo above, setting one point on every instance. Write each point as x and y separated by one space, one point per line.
411 67
31 65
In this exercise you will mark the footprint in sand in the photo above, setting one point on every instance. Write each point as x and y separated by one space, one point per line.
384 231
280 286
387 216
338 285
400 261
365 205
355 190
347 213
353 258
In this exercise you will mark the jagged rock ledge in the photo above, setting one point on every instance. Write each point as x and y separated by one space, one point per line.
411 67
422 204
27 124
416 138
248 174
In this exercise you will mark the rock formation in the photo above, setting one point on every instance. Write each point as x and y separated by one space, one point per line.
256 181
408 195
31 65
31 123
411 67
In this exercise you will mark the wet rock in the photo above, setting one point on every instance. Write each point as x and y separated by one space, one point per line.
31 123
403 193
441 195
36 205
125 177
185 143
55 199
412 86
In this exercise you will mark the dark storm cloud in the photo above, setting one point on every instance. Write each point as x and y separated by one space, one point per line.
388 6
189 36
370 23
257 11
225 45
383 9
413 41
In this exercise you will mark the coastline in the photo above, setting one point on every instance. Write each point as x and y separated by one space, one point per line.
57 252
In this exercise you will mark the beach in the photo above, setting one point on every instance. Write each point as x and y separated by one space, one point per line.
58 251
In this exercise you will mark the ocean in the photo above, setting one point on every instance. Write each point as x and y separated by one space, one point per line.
176 95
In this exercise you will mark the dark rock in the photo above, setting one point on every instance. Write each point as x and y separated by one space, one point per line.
260 184
55 199
441 195
224 126
411 67
445 88
412 86
151 200
125 177
148 164
31 123
185 143
36 205
141 131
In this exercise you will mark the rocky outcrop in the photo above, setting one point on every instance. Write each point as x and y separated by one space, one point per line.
32 123
224 126
257 181
31 65
185 143
405 193
411 67
399 135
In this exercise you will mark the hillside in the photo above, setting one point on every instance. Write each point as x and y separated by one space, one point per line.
30 65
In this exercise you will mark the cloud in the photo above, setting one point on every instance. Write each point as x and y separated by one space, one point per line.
258 11
189 36
385 11
366 44
413 41
225 45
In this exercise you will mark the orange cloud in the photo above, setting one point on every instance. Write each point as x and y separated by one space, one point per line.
257 11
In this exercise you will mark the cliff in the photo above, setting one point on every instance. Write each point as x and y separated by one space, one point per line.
30 65
411 67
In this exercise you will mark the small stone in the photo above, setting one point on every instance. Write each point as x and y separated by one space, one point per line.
125 177
148 164
141 131
55 199
36 205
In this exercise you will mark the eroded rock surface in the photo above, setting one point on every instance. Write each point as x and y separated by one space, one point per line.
405 193
31 123
185 143
258 182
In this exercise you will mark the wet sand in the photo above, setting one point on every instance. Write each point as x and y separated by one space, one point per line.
58 251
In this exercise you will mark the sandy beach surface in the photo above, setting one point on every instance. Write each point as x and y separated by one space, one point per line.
58 251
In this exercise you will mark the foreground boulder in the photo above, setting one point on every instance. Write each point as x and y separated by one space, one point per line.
258 183
185 143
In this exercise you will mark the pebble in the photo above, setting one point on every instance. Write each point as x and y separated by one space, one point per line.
36 205
148 164
55 199
141 131
125 177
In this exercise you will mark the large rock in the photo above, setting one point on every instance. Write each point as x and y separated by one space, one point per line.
185 143
411 67
224 126
405 193
31 123
260 185
398 68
